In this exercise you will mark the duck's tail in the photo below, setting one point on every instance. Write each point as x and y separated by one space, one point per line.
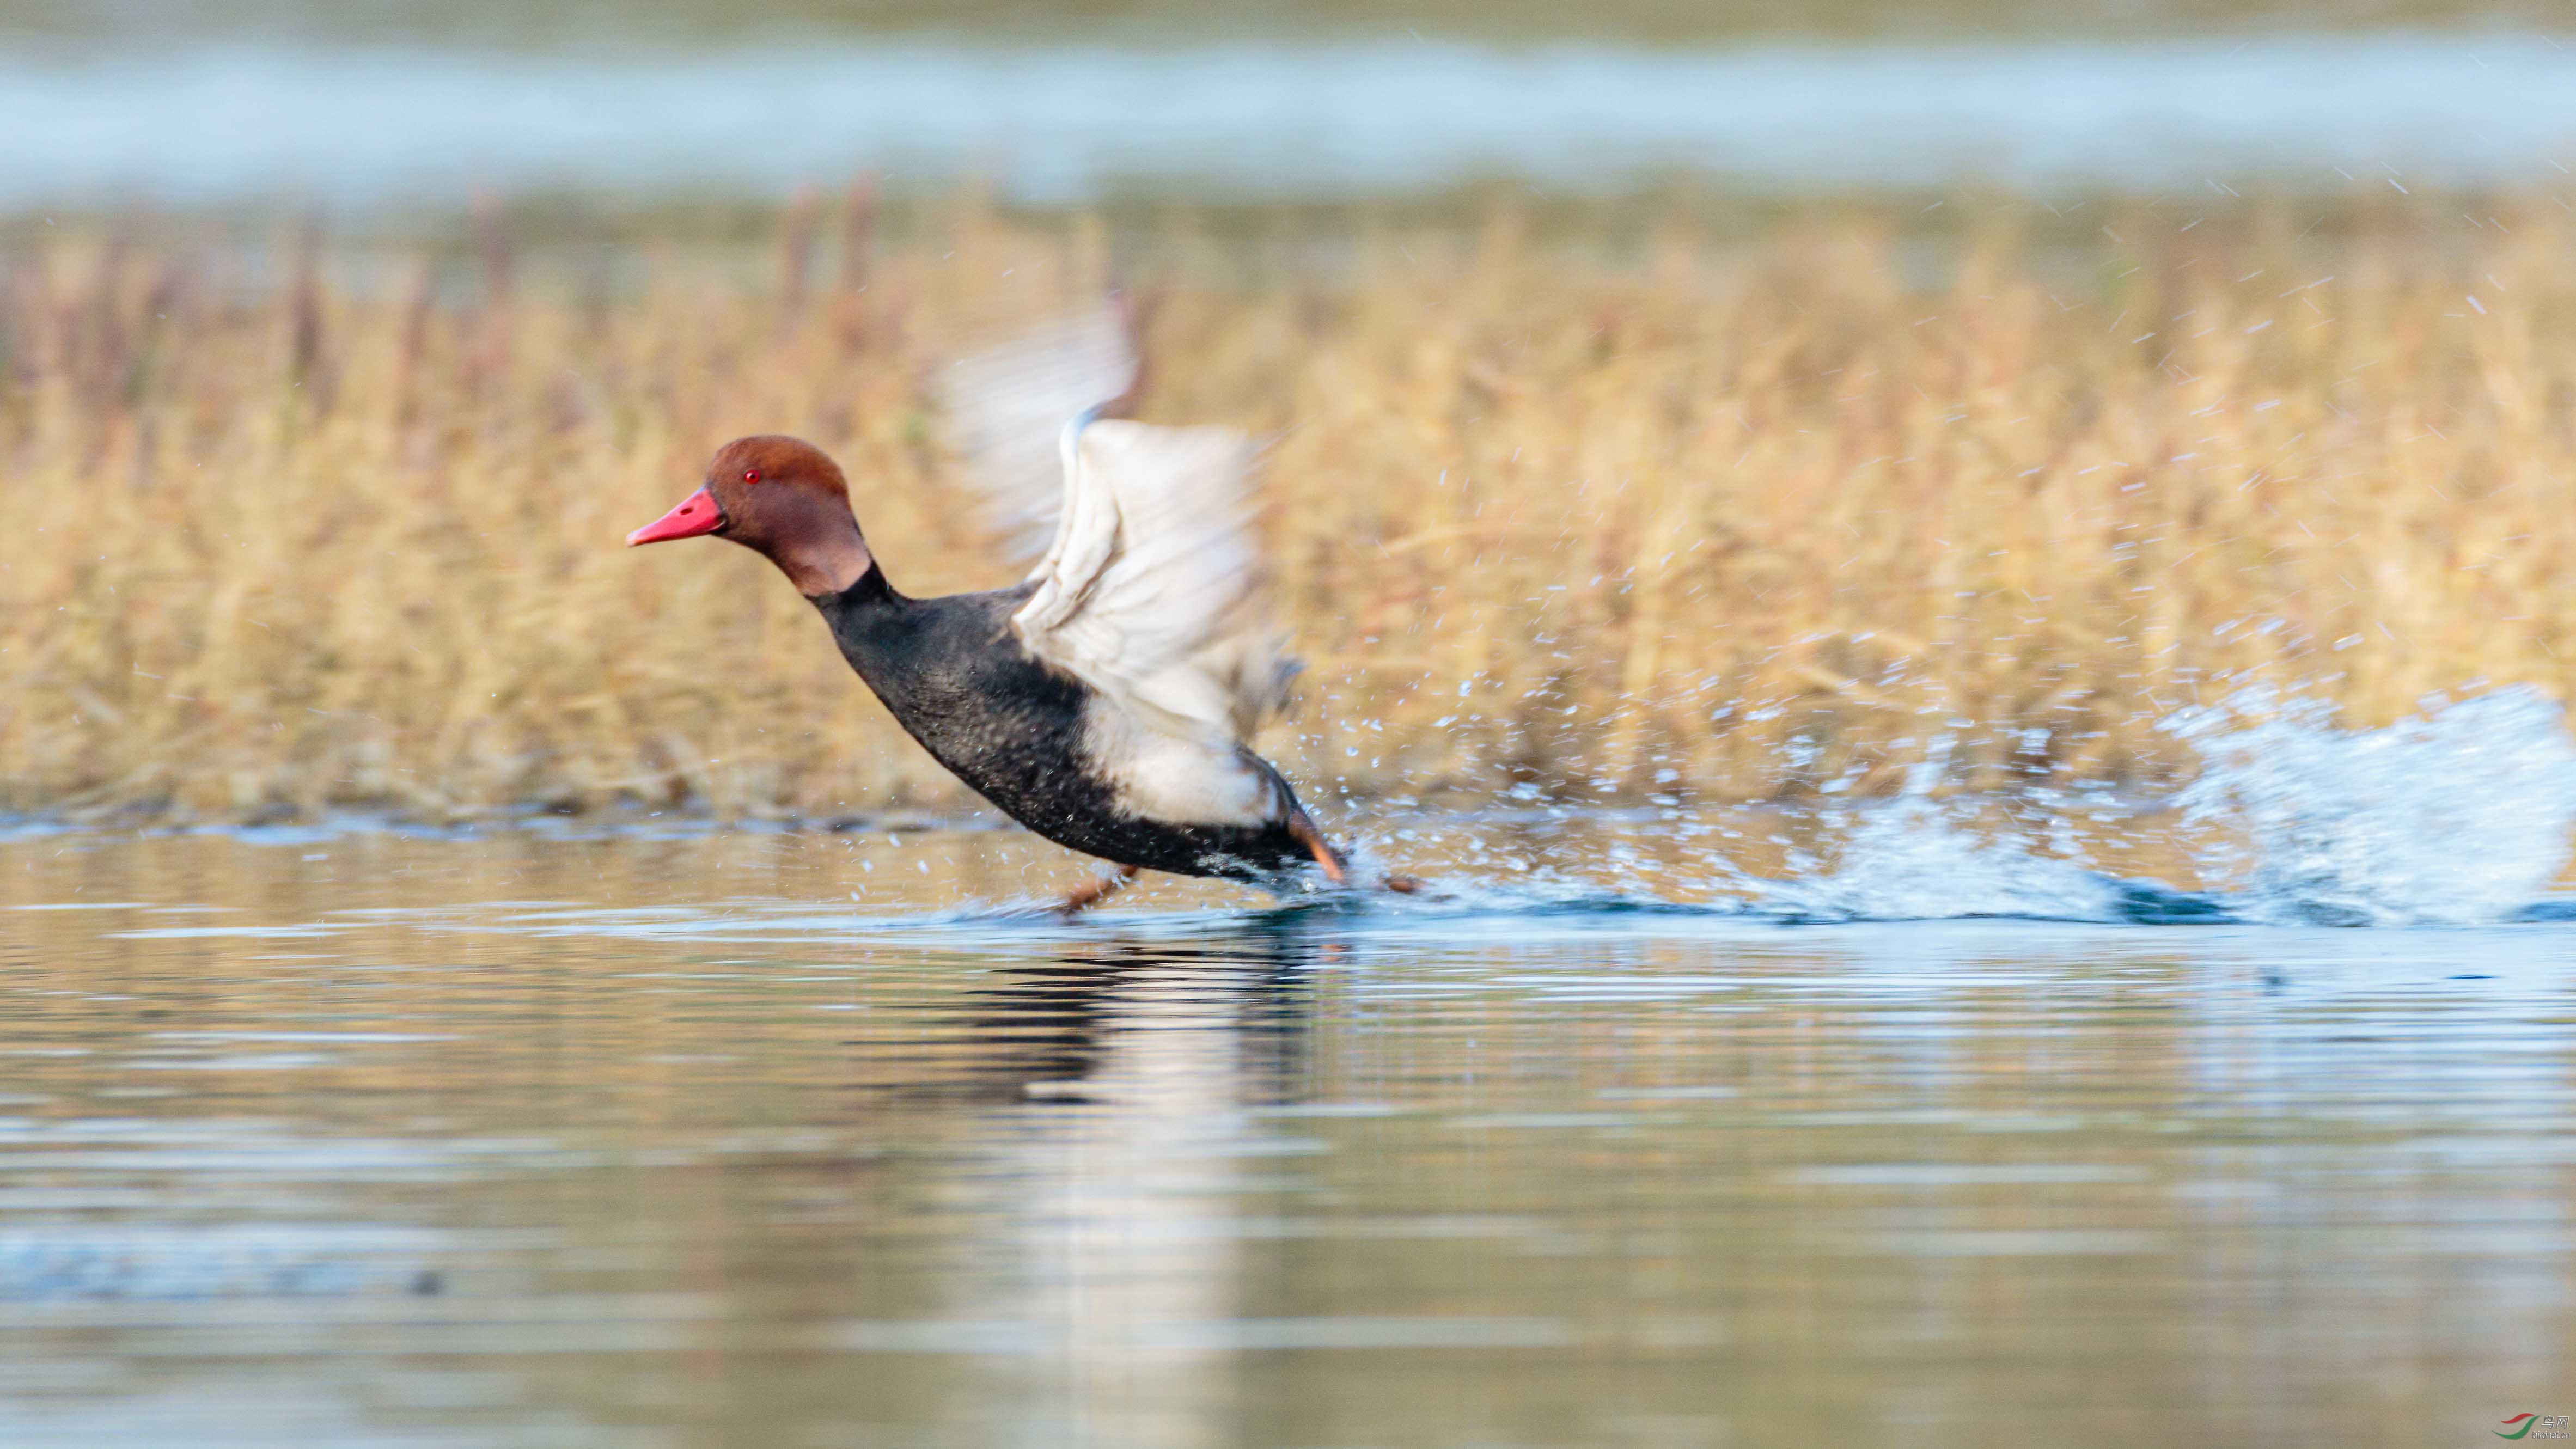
1336 866
1301 828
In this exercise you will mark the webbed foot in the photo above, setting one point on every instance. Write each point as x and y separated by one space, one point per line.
1085 897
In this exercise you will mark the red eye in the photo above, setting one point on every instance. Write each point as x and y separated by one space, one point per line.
751 477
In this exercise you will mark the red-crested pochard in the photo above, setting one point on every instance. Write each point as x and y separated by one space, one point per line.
1106 701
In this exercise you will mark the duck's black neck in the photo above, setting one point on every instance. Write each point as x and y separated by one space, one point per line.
864 608
880 632
932 661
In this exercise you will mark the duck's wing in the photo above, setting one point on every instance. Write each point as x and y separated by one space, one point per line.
1153 590
1006 410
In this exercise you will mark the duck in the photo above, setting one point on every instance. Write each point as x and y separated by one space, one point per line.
1107 701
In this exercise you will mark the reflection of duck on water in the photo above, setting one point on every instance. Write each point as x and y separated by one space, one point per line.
1106 702
1110 1095
1062 1030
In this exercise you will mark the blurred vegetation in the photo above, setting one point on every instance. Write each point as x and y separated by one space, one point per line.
1585 506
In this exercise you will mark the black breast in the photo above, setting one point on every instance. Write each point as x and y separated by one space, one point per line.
958 680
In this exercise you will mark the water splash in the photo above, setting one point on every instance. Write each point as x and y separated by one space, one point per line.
2457 816
1914 858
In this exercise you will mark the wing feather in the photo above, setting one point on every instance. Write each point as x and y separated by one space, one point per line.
1007 407
1151 589
1154 590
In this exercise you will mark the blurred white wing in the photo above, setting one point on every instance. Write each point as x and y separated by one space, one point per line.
1152 590
1007 409
1151 587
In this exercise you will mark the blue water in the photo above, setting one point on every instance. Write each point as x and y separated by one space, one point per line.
360 127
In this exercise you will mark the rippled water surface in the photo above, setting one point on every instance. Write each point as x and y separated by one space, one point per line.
366 1138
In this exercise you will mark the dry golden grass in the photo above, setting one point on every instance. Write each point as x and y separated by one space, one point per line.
1611 515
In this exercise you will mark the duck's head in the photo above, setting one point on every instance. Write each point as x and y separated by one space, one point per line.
782 498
